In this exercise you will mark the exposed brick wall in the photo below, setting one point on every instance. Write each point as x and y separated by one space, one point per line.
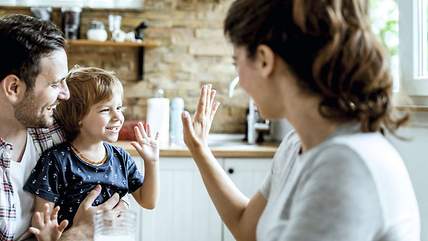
193 51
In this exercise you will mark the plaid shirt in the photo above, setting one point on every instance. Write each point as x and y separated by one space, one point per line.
43 138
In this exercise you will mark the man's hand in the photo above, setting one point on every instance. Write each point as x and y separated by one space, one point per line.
85 213
45 225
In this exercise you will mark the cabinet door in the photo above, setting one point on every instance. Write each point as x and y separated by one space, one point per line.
248 175
184 211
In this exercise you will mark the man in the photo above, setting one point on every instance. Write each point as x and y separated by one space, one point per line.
32 67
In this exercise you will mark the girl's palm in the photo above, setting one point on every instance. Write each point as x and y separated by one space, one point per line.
146 145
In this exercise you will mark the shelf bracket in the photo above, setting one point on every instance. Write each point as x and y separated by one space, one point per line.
141 63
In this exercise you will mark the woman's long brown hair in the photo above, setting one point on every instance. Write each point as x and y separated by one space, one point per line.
330 48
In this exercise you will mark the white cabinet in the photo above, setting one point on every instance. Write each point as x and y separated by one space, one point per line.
248 175
184 211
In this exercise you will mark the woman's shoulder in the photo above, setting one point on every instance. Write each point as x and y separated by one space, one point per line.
364 145
290 142
369 154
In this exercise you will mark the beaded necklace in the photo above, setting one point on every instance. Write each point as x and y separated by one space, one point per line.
85 159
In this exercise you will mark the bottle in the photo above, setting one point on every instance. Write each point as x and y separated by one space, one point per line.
176 126
158 109
71 22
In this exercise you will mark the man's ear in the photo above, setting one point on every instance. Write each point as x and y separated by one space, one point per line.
13 87
265 60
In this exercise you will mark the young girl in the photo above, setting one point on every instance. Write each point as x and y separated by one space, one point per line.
92 117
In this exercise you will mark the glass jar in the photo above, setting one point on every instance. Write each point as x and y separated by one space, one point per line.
97 31
115 225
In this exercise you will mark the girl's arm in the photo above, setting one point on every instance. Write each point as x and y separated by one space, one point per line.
148 148
147 194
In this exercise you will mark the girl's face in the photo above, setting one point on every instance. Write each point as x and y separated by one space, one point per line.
104 121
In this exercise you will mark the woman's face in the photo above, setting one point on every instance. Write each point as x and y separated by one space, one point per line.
260 86
246 70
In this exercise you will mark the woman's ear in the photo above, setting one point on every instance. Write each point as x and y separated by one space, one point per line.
265 60
13 88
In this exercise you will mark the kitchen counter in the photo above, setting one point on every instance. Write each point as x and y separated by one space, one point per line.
222 145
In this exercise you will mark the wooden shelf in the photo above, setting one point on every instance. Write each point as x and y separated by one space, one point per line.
413 108
109 43
140 46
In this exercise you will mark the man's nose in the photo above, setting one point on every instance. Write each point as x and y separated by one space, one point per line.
64 93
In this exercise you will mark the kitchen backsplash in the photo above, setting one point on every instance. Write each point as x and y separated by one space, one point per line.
192 51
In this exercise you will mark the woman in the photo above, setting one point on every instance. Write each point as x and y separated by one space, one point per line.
336 177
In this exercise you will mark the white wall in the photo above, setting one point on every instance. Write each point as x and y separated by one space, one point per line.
415 155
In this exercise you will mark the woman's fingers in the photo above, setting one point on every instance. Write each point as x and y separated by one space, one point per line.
208 99
214 109
200 109
187 124
212 102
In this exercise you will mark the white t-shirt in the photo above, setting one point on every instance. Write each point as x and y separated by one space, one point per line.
19 172
353 186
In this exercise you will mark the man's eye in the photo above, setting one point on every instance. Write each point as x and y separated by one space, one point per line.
105 110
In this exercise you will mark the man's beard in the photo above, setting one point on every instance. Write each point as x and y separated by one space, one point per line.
27 113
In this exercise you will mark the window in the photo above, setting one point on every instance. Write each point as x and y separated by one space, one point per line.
413 51
402 26
384 19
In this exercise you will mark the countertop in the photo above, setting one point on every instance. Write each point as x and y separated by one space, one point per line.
222 145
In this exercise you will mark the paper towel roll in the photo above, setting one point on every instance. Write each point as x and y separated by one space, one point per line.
158 118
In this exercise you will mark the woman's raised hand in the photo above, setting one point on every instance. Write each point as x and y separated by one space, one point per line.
196 129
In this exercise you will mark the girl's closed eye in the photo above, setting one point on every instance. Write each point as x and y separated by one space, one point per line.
105 110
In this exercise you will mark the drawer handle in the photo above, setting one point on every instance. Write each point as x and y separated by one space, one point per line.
230 171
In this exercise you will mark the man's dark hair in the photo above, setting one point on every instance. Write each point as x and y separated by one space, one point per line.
24 40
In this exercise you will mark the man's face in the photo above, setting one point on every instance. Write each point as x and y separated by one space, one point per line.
37 107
